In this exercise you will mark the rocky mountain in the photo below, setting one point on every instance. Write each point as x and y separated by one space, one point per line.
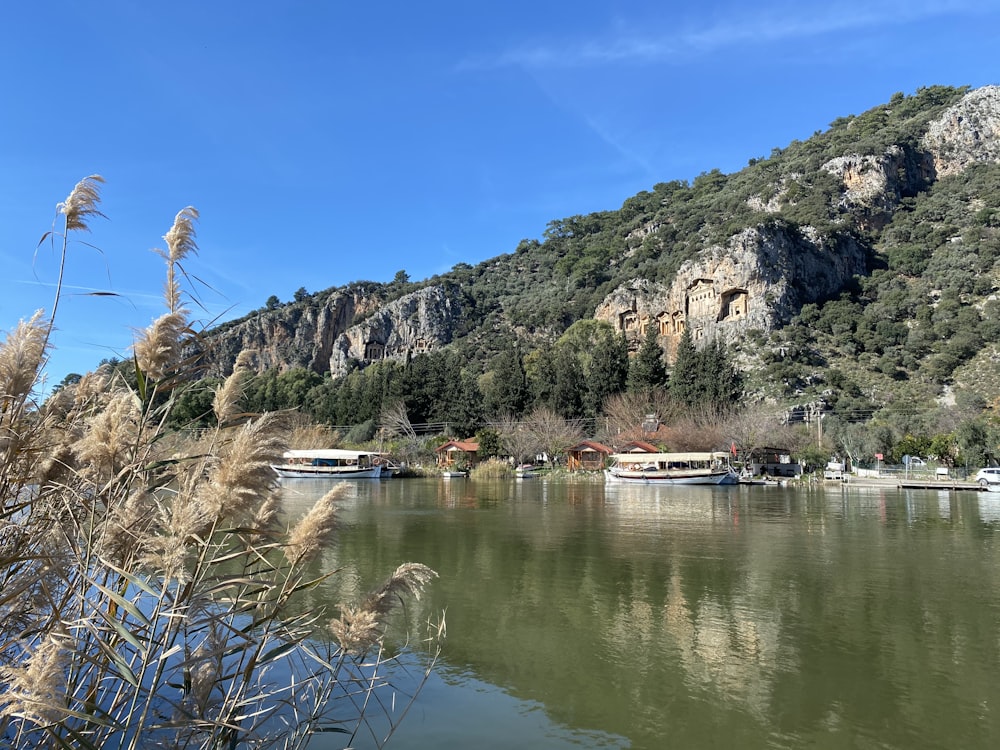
876 206
330 329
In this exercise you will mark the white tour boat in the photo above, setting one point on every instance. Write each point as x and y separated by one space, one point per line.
672 468
330 463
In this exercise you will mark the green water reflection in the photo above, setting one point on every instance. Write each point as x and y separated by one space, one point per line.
581 615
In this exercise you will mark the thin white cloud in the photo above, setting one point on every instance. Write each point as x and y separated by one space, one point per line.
766 25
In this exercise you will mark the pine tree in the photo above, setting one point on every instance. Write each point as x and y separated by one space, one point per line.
705 377
541 376
507 392
567 384
684 385
608 370
723 382
465 408
647 369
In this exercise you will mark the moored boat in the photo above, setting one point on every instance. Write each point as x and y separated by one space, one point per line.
526 471
329 463
389 467
672 468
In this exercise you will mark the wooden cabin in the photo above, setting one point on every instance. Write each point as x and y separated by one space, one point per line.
588 455
464 453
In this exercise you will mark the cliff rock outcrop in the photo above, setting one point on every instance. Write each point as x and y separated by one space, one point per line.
758 281
967 133
329 330
874 185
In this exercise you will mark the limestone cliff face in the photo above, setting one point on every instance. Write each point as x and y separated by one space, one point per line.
328 330
874 185
967 133
758 281
417 323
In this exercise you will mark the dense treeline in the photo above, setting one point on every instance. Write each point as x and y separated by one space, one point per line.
574 377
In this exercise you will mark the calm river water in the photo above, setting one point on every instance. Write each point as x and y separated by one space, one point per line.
589 616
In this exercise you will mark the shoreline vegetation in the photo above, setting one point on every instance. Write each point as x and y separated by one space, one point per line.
150 592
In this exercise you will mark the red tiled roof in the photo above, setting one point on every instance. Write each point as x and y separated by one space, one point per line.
469 446
639 446
592 445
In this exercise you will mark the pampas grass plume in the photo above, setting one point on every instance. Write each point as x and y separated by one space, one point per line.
82 203
158 348
34 688
242 478
228 395
314 528
359 628
180 244
20 355
110 436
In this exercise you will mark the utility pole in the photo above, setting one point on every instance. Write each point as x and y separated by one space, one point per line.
817 412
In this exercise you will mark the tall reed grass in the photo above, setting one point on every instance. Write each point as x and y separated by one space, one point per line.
148 588
493 468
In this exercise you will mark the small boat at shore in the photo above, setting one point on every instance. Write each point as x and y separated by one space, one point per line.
526 471
672 468
389 467
329 463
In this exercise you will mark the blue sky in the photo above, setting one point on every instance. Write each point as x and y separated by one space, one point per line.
327 142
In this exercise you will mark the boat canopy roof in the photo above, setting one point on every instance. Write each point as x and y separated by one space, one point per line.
633 458
328 453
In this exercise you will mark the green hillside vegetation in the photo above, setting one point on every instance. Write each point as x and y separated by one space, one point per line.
907 349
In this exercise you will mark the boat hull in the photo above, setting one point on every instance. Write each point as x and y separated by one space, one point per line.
327 472
668 477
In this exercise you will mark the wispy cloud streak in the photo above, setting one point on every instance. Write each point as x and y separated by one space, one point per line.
766 25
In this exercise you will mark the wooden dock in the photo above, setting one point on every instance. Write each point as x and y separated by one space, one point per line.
938 484
915 483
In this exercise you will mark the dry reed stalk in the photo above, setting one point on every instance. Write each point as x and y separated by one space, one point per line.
314 529
180 244
306 435
228 395
134 563
241 477
81 204
20 357
34 689
158 348
360 627
110 438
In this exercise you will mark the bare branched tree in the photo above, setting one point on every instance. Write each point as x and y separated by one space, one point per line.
753 427
625 413
553 434
516 439
394 421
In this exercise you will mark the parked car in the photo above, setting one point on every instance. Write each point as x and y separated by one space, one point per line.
987 477
917 461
